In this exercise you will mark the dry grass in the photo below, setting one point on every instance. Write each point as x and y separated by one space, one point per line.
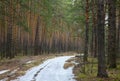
68 64
71 59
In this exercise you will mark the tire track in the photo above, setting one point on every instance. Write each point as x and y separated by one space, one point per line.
35 75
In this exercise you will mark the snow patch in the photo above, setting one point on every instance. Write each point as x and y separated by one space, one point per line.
13 72
3 71
29 62
55 71
50 70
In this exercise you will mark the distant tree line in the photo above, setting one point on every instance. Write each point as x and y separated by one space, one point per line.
33 27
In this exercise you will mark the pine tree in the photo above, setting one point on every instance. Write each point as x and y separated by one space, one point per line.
101 39
112 33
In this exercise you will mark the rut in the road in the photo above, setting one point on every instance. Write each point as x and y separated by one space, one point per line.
39 71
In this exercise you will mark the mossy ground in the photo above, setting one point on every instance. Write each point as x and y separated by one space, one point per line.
88 72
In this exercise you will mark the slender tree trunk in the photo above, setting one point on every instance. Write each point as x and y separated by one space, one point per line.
119 34
2 33
36 45
10 45
86 32
112 33
101 40
94 37
9 40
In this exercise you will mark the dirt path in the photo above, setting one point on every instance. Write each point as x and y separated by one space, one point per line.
50 70
18 66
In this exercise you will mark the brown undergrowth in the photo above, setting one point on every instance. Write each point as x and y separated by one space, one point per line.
69 63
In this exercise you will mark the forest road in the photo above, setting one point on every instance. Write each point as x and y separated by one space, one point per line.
50 70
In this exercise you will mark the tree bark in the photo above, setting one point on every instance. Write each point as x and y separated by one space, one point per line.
101 40
86 32
10 45
112 33
36 45
94 37
119 34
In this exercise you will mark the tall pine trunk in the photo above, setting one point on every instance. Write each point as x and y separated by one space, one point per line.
101 39
119 34
10 44
86 32
36 44
112 33
94 37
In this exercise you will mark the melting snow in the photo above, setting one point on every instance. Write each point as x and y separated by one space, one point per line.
13 72
3 71
50 70
29 62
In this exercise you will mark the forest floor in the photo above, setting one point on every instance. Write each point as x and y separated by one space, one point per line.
88 72
10 69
